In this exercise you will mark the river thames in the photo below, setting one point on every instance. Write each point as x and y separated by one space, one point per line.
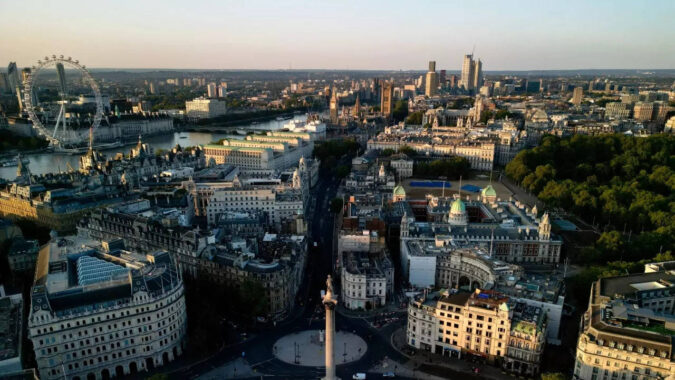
41 163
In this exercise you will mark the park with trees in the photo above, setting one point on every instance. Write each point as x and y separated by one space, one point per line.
622 185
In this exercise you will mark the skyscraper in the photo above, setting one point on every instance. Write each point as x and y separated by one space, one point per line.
577 95
431 88
477 78
386 99
211 90
453 81
472 74
443 78
4 83
13 74
61 75
466 77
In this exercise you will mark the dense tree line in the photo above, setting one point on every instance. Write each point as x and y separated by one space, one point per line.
453 167
171 100
625 185
330 151
11 141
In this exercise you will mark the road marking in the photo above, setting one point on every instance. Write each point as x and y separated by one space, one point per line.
262 362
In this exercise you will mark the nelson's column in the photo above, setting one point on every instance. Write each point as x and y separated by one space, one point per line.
330 301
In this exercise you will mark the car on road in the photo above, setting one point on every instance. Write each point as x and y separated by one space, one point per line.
388 374
359 376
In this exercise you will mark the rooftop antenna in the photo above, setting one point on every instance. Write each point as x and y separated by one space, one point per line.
473 49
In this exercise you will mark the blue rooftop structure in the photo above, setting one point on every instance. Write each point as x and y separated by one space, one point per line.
91 270
438 184
471 188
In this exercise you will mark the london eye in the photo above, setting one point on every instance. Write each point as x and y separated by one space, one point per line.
51 118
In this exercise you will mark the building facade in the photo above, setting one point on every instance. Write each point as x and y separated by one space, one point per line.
22 255
483 324
203 108
98 314
627 330
367 279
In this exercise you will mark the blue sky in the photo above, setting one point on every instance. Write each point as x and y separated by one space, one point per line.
508 35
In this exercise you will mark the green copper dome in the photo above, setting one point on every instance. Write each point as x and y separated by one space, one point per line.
458 207
489 191
399 190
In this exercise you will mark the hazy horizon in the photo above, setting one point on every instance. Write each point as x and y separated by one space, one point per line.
377 35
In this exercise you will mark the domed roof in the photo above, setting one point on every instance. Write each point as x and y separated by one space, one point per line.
489 191
399 190
458 207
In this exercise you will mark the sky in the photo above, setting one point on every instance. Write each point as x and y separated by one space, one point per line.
342 34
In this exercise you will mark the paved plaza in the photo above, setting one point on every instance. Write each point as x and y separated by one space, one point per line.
231 370
306 348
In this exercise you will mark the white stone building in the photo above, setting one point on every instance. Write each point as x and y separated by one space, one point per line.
367 280
203 108
403 166
98 314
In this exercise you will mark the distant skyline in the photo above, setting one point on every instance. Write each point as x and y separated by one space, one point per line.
353 35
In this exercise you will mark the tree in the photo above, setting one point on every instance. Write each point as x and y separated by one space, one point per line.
603 101
410 152
336 205
415 118
610 242
485 116
623 183
342 171
400 110
503 114
386 152
453 167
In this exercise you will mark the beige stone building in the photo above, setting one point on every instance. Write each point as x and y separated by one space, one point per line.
627 331
483 324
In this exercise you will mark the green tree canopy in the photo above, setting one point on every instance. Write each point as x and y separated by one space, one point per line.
400 110
453 167
623 183
336 205
415 118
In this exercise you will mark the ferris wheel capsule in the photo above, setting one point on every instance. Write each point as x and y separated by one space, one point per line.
46 58
69 59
